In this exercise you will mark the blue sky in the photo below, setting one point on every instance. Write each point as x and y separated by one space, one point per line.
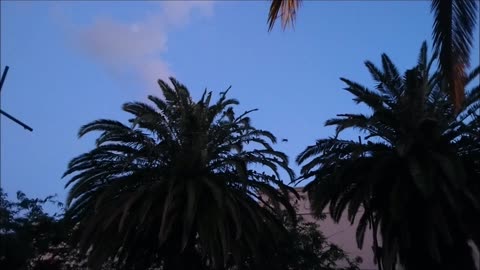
74 62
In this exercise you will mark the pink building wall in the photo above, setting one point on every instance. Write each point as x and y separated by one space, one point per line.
342 234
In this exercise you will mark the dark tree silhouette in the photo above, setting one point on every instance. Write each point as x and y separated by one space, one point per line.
412 175
178 186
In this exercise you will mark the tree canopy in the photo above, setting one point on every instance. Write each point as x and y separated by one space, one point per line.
177 185
411 175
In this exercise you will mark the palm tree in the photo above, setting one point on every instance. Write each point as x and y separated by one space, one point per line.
179 186
411 178
453 37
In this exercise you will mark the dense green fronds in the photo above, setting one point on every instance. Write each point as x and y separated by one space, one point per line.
413 175
178 185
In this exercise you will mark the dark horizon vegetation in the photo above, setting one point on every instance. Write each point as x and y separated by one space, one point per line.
32 238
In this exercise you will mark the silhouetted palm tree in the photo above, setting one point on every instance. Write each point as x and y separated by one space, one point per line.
179 186
453 37
411 179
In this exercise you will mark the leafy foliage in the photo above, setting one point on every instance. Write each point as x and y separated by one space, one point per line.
178 186
411 176
308 249
27 231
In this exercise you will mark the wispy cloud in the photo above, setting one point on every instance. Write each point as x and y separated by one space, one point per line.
138 47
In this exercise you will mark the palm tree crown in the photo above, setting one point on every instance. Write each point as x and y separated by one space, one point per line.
177 185
410 175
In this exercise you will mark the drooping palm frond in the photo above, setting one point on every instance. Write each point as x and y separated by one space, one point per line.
285 9
453 36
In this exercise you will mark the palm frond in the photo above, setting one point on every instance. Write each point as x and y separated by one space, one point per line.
453 27
102 125
363 94
472 75
286 9
423 57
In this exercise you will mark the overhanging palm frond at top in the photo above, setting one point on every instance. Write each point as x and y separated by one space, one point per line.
285 9
453 36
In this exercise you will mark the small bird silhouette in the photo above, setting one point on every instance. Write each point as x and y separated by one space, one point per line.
284 140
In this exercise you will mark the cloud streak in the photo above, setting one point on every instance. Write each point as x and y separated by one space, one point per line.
138 47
